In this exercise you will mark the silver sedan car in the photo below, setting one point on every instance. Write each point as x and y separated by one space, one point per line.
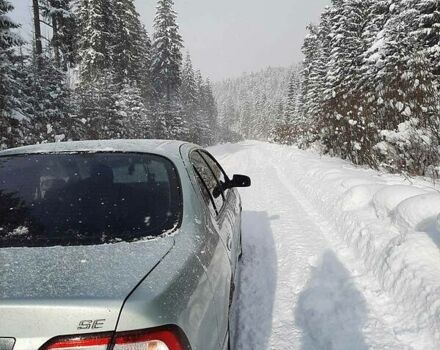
117 245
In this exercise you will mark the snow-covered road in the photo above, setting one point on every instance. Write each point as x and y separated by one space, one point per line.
303 285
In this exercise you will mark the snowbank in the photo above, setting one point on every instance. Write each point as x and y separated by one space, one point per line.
391 225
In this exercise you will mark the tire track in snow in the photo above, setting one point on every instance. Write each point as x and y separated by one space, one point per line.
295 241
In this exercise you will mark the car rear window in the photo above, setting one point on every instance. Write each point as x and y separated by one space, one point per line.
86 198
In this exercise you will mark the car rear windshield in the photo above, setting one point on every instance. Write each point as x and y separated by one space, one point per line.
86 198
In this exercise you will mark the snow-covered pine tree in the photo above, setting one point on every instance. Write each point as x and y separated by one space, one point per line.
131 59
310 101
62 19
290 128
190 95
317 50
47 99
166 50
374 37
10 83
205 112
144 80
128 47
209 128
96 23
344 115
200 119
248 118
170 120
426 30
130 108
291 100
97 88
262 103
408 96
323 76
9 41
165 68
377 103
372 58
96 107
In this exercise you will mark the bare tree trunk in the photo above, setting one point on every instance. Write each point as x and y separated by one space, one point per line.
56 40
37 29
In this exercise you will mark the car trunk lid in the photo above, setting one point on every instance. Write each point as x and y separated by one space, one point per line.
47 292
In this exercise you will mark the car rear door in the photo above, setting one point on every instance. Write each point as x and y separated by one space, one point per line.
219 270
230 213
231 233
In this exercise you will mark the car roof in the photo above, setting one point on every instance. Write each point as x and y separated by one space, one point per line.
161 147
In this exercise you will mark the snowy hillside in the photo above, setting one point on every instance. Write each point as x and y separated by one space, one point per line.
252 104
335 256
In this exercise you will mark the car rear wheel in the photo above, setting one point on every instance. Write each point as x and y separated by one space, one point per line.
233 308
240 255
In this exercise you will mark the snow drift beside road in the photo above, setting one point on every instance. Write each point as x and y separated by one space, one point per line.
395 233
391 227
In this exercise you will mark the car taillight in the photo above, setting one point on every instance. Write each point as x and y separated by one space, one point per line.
157 339
92 342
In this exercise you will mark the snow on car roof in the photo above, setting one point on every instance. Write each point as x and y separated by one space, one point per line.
165 147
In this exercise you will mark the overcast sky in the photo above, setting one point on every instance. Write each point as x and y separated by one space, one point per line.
228 37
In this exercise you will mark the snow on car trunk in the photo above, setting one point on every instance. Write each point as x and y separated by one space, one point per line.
65 285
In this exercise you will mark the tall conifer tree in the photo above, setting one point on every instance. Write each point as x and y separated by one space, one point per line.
166 72
127 49
9 80
190 96
96 38
62 19
167 55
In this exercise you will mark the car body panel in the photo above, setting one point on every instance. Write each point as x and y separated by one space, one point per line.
184 278
178 291
61 286
225 226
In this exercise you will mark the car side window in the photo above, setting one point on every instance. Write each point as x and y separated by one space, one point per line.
209 181
219 173
205 193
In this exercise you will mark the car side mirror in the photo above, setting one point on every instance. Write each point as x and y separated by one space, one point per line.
237 181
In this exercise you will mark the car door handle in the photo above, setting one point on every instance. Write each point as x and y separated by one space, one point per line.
229 242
